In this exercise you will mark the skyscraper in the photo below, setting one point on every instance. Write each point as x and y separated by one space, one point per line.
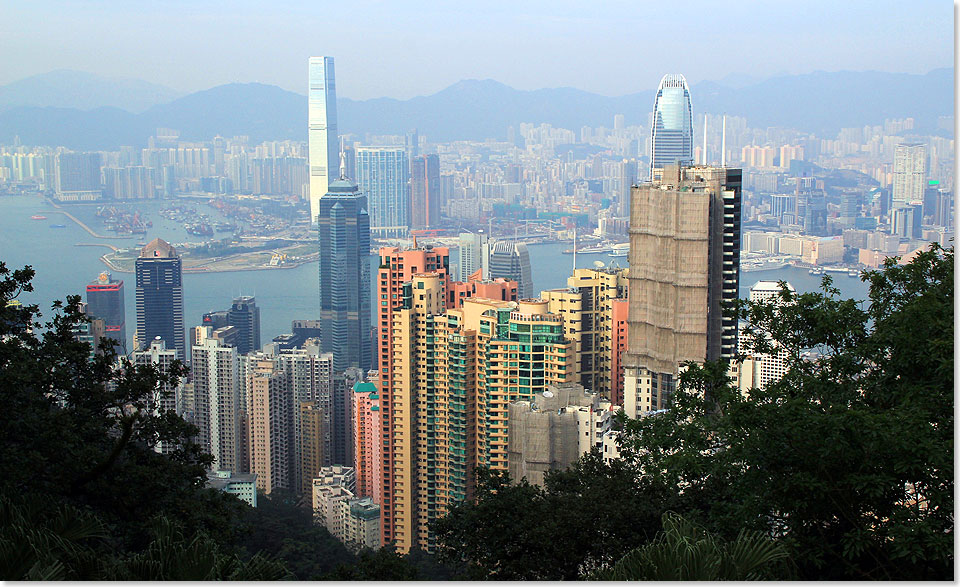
343 228
160 297
684 269
473 256
158 355
383 174
105 301
322 130
245 316
216 389
511 260
909 173
671 134
424 192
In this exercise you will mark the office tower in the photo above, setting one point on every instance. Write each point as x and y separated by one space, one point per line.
159 356
217 319
555 428
270 430
397 267
343 228
383 177
245 316
424 192
473 250
684 270
105 301
906 221
626 177
454 374
160 297
590 321
78 177
367 440
323 142
216 388
909 173
311 440
510 260
671 133
758 370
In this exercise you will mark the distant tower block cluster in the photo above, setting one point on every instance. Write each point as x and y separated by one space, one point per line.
322 129
671 135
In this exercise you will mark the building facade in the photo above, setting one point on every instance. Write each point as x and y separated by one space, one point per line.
424 192
159 276
671 134
322 129
216 388
105 301
511 260
684 270
383 174
343 228
909 173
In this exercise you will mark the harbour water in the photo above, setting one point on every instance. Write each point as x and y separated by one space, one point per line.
283 295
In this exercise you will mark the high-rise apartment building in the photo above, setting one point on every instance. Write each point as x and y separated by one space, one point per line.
270 425
169 395
323 142
383 176
671 134
757 370
684 270
511 260
425 191
216 388
909 173
453 375
160 297
368 438
311 440
244 315
105 301
397 267
343 228
592 322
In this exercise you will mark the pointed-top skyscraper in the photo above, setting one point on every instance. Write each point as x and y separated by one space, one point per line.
160 297
671 134
343 229
322 129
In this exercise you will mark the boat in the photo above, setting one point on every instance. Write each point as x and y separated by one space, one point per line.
58 226
202 229
853 273
38 217
620 250
816 271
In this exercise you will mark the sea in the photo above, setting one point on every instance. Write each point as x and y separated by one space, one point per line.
64 265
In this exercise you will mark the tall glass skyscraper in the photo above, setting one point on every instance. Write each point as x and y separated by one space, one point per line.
343 226
511 260
160 297
383 174
671 134
322 131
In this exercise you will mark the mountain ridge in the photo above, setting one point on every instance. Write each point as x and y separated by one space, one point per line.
476 109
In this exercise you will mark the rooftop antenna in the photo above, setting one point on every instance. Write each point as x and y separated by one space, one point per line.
574 249
704 139
343 161
723 143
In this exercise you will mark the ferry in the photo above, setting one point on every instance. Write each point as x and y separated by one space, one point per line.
38 217
58 226
620 250
816 271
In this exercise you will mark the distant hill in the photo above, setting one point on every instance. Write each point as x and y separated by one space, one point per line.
820 102
65 88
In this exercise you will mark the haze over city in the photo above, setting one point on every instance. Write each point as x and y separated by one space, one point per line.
533 291
401 50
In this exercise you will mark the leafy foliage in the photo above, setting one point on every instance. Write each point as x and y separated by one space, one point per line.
687 552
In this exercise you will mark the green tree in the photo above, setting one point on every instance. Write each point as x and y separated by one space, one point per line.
848 459
687 552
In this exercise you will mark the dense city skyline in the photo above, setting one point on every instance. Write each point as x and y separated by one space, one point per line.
539 46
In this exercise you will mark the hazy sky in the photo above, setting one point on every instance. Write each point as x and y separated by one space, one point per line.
402 49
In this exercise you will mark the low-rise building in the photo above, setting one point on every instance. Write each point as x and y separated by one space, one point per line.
243 485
